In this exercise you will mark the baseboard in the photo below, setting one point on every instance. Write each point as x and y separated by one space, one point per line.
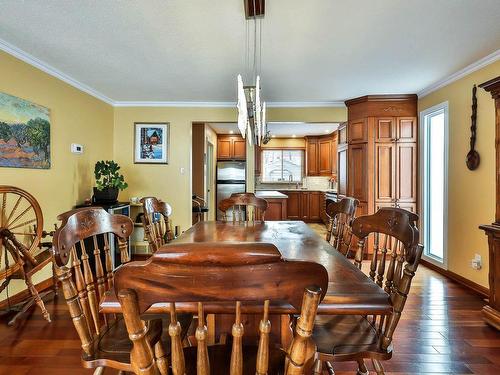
479 289
23 295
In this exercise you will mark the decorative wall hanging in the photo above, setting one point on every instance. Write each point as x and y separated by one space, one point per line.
151 143
473 159
24 133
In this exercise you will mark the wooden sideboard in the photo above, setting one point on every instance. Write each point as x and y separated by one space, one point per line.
491 312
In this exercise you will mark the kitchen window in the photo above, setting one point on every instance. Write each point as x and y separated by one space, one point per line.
282 165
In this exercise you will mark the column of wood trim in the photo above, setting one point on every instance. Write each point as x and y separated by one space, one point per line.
302 346
142 357
202 363
75 310
237 331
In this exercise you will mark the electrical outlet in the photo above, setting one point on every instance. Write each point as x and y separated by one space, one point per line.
477 262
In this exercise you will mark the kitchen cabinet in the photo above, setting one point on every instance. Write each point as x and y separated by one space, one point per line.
334 154
381 158
321 153
315 204
312 156
325 156
257 159
304 205
293 205
357 186
231 147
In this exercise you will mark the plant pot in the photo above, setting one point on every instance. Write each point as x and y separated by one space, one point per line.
107 195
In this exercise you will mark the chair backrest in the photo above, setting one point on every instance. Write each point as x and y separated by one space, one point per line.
156 221
396 242
235 208
208 273
81 247
340 215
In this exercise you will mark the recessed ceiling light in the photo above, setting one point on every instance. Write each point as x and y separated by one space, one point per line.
327 130
274 136
294 136
231 132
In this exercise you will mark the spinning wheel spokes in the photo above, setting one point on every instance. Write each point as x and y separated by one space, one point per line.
21 226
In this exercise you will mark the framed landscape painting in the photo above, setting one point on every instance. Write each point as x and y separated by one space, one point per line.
151 143
24 133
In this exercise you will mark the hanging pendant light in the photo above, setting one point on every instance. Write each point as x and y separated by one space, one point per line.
251 109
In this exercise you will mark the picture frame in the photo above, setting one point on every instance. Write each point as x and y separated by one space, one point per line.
151 142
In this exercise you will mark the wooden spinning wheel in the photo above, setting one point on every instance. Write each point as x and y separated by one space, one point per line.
21 253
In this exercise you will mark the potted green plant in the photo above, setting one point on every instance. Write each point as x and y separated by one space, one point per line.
108 181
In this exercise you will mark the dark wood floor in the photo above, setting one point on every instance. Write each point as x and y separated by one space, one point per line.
441 332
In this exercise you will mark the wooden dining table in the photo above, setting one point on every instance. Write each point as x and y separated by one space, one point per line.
350 291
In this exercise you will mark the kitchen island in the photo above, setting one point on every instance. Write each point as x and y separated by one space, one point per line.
277 204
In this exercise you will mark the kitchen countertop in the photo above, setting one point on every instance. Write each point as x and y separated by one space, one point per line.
299 189
270 194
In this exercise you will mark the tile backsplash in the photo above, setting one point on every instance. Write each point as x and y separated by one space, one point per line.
310 182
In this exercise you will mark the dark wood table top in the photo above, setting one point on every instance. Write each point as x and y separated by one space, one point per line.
349 291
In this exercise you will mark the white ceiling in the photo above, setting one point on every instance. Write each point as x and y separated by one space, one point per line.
313 51
281 129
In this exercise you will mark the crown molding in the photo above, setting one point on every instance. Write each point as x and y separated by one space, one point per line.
174 104
487 60
337 103
209 104
43 66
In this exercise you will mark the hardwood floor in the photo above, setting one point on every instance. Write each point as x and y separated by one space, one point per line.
441 332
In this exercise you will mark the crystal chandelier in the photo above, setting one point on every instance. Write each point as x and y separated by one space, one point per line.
251 109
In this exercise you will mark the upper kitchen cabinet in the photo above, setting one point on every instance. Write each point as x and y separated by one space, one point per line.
312 154
321 154
231 147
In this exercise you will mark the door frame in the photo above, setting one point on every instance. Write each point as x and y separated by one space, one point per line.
210 184
422 168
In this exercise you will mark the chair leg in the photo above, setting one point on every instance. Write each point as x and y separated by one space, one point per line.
99 371
161 358
318 367
362 370
329 368
379 369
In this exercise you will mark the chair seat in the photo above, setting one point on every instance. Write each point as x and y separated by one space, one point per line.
348 337
219 357
113 346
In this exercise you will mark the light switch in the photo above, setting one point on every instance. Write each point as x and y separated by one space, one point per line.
182 170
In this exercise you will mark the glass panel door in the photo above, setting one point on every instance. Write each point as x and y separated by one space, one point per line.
435 175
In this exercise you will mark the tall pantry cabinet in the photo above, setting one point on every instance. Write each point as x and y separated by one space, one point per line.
377 152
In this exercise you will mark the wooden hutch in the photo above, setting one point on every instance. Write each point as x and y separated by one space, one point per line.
377 152
491 311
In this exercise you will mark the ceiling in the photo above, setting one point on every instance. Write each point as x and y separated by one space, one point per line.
313 51
281 129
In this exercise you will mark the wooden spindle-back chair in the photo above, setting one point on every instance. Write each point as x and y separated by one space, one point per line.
236 208
340 216
396 256
156 221
204 275
85 269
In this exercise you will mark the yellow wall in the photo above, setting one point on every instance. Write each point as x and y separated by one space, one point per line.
471 200
166 181
285 142
75 118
